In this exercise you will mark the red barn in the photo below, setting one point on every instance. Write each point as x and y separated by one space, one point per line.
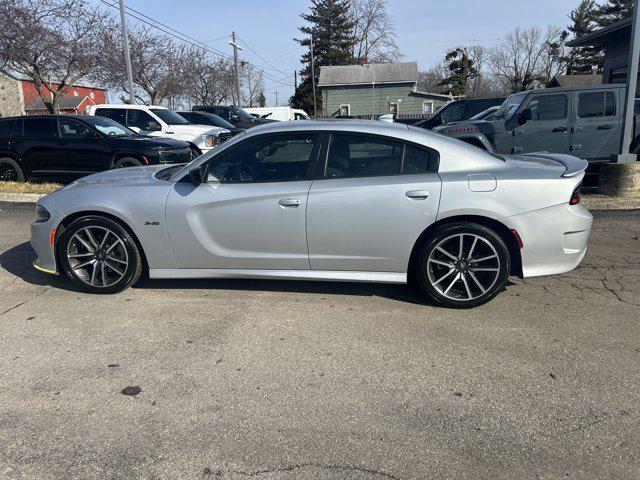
18 96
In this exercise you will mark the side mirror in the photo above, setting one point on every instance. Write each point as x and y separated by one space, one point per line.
196 174
524 116
153 127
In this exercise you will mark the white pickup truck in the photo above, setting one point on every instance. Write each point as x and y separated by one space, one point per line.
282 114
158 121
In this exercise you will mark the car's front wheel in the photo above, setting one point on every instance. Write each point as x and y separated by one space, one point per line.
10 171
463 265
126 162
99 255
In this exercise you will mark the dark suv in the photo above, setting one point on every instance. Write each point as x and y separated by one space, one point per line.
71 146
206 118
234 115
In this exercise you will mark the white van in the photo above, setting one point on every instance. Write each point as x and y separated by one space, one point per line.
162 122
282 114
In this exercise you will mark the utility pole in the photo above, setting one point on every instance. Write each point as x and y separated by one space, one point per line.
276 92
236 47
127 54
632 79
295 79
313 80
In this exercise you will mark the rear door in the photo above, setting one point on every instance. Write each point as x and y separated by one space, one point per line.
251 212
81 154
548 130
596 131
37 138
374 197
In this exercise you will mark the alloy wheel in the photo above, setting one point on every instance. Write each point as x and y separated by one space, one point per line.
97 256
8 173
463 267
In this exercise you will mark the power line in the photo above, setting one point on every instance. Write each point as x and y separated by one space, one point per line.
182 37
260 57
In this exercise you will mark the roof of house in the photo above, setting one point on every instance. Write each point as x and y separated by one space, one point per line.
575 80
602 35
18 76
66 103
406 72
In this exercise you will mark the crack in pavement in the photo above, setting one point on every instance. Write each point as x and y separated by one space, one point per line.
341 468
17 305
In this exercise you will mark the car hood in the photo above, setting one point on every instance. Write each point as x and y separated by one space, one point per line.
465 126
197 129
150 142
120 176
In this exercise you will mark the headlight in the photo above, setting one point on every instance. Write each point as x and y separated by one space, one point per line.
209 140
42 214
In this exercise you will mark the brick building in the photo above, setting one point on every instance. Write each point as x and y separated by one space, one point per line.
18 96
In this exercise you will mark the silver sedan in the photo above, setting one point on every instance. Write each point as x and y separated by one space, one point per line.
350 200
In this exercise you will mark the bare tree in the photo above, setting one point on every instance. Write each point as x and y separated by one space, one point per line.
375 38
157 64
253 84
429 80
519 61
53 43
208 80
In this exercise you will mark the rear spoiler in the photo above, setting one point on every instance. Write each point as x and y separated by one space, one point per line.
573 165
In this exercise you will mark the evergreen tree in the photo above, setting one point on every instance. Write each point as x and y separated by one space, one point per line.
262 100
331 28
461 69
583 60
612 11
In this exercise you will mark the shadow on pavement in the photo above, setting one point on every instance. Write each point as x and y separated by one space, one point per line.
18 262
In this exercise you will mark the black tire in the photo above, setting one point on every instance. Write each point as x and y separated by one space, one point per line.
125 162
125 250
472 283
10 171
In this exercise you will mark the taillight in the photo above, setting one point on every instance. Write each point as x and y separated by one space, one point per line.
575 196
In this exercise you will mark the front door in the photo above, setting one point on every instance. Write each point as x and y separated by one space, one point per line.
596 131
548 128
81 153
375 197
251 212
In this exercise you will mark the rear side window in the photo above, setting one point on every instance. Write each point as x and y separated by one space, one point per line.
418 160
596 104
6 127
117 114
40 127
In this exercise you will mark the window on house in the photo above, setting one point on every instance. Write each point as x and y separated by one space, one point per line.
427 107
393 108
345 110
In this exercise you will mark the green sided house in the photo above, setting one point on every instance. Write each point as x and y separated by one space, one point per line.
375 89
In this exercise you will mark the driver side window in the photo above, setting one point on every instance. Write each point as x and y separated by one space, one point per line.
548 107
269 158
139 119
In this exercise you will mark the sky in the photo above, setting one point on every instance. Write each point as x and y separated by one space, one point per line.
425 29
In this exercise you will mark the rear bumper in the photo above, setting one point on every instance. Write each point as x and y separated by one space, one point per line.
554 239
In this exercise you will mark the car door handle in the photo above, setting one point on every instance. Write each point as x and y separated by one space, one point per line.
605 127
560 130
289 202
417 194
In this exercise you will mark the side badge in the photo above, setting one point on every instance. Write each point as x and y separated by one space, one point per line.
152 223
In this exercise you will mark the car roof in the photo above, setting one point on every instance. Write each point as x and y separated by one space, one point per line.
374 126
128 105
579 88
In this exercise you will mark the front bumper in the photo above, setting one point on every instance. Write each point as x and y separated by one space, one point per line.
43 237
554 238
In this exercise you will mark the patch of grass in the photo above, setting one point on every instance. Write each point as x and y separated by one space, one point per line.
26 187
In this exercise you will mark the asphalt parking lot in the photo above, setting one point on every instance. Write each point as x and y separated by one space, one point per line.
283 380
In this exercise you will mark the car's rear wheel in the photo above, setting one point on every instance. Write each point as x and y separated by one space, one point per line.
125 162
99 255
463 265
10 171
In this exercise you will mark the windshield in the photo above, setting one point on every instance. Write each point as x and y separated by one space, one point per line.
510 105
169 117
242 114
216 120
108 126
485 114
